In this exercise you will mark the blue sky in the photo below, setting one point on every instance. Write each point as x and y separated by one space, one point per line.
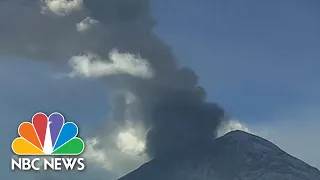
247 54
259 60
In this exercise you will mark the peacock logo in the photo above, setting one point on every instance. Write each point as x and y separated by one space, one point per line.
48 136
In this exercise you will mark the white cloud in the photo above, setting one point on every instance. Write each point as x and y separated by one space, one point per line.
92 65
61 7
86 24
129 143
118 154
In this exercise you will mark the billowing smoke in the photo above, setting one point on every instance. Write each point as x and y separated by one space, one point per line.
168 102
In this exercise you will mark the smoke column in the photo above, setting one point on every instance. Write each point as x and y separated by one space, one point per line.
171 104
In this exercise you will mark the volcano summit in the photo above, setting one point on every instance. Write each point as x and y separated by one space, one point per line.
235 156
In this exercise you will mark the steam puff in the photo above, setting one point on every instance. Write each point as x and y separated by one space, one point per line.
231 125
86 24
61 7
91 65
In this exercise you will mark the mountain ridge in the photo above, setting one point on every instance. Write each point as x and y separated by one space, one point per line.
235 156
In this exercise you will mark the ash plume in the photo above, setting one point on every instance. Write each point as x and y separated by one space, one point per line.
170 103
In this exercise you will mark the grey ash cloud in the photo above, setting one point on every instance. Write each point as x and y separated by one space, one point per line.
171 103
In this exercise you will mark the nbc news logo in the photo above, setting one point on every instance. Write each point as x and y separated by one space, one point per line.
47 136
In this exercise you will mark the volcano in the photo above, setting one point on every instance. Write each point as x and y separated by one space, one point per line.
235 156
